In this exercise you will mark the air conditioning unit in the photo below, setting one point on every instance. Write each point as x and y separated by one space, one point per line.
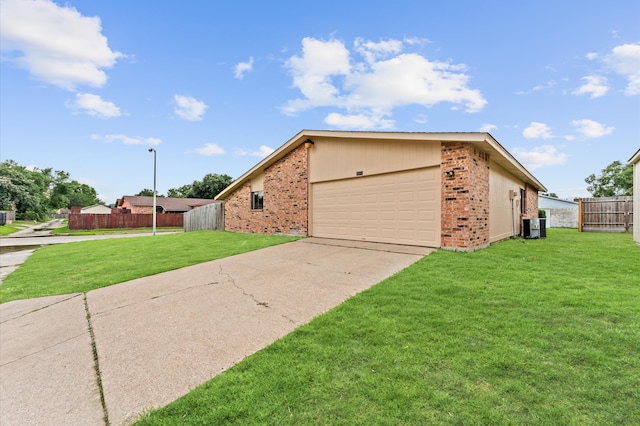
531 228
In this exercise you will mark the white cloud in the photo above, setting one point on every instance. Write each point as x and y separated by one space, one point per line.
549 84
242 68
95 106
55 44
358 121
313 71
591 56
262 152
625 60
591 129
421 119
537 131
487 127
594 85
127 140
210 149
189 108
416 40
543 156
373 51
328 76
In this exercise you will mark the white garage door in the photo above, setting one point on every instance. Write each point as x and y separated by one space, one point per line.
400 208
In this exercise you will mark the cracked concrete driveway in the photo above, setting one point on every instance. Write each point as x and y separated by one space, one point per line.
154 339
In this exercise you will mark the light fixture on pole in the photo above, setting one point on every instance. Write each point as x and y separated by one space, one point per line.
154 189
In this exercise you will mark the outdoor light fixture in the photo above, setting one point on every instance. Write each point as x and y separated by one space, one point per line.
154 189
308 143
450 173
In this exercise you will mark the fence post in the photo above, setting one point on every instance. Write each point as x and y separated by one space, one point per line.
580 220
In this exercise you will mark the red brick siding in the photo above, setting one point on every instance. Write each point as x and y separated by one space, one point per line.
530 206
465 197
285 200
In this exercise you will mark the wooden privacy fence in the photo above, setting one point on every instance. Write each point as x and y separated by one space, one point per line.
210 216
124 221
605 214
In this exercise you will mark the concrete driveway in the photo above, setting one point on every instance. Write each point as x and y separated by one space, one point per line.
151 340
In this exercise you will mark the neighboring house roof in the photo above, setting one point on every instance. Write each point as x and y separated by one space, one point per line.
546 202
635 158
168 204
96 208
483 141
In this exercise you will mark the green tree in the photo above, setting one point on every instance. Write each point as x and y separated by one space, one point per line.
147 193
615 180
25 190
182 192
67 194
210 186
36 193
82 195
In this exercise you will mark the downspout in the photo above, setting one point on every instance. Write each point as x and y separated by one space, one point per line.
512 196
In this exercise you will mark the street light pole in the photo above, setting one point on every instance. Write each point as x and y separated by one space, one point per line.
154 189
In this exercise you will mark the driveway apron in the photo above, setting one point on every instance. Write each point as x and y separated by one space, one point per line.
158 337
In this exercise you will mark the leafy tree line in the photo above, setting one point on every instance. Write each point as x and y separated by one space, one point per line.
614 180
36 193
210 186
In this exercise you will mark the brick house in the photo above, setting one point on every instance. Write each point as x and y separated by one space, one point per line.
459 191
139 204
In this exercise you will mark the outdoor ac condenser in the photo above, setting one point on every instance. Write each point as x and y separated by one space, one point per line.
531 228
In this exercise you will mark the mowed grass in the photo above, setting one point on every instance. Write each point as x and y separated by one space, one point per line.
543 332
16 226
87 265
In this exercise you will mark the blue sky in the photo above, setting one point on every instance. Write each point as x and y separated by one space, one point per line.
89 86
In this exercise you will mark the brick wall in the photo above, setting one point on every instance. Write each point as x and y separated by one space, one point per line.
285 200
465 197
531 204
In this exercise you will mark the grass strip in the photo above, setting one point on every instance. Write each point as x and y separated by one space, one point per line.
523 332
80 267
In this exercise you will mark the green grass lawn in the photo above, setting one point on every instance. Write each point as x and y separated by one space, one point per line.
87 265
543 332
15 226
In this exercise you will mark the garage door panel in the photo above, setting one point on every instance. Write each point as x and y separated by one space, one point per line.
402 207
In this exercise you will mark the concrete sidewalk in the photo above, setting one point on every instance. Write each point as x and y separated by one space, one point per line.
156 338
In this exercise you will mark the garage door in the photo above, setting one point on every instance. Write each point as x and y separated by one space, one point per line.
400 208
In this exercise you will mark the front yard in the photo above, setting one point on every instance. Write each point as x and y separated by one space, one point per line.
87 265
524 332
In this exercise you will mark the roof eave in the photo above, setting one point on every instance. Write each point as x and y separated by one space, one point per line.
515 164
482 139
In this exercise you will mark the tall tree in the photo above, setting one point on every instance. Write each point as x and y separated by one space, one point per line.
145 193
67 194
35 193
182 192
210 186
25 190
615 180
82 195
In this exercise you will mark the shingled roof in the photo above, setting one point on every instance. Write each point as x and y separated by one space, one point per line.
168 204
